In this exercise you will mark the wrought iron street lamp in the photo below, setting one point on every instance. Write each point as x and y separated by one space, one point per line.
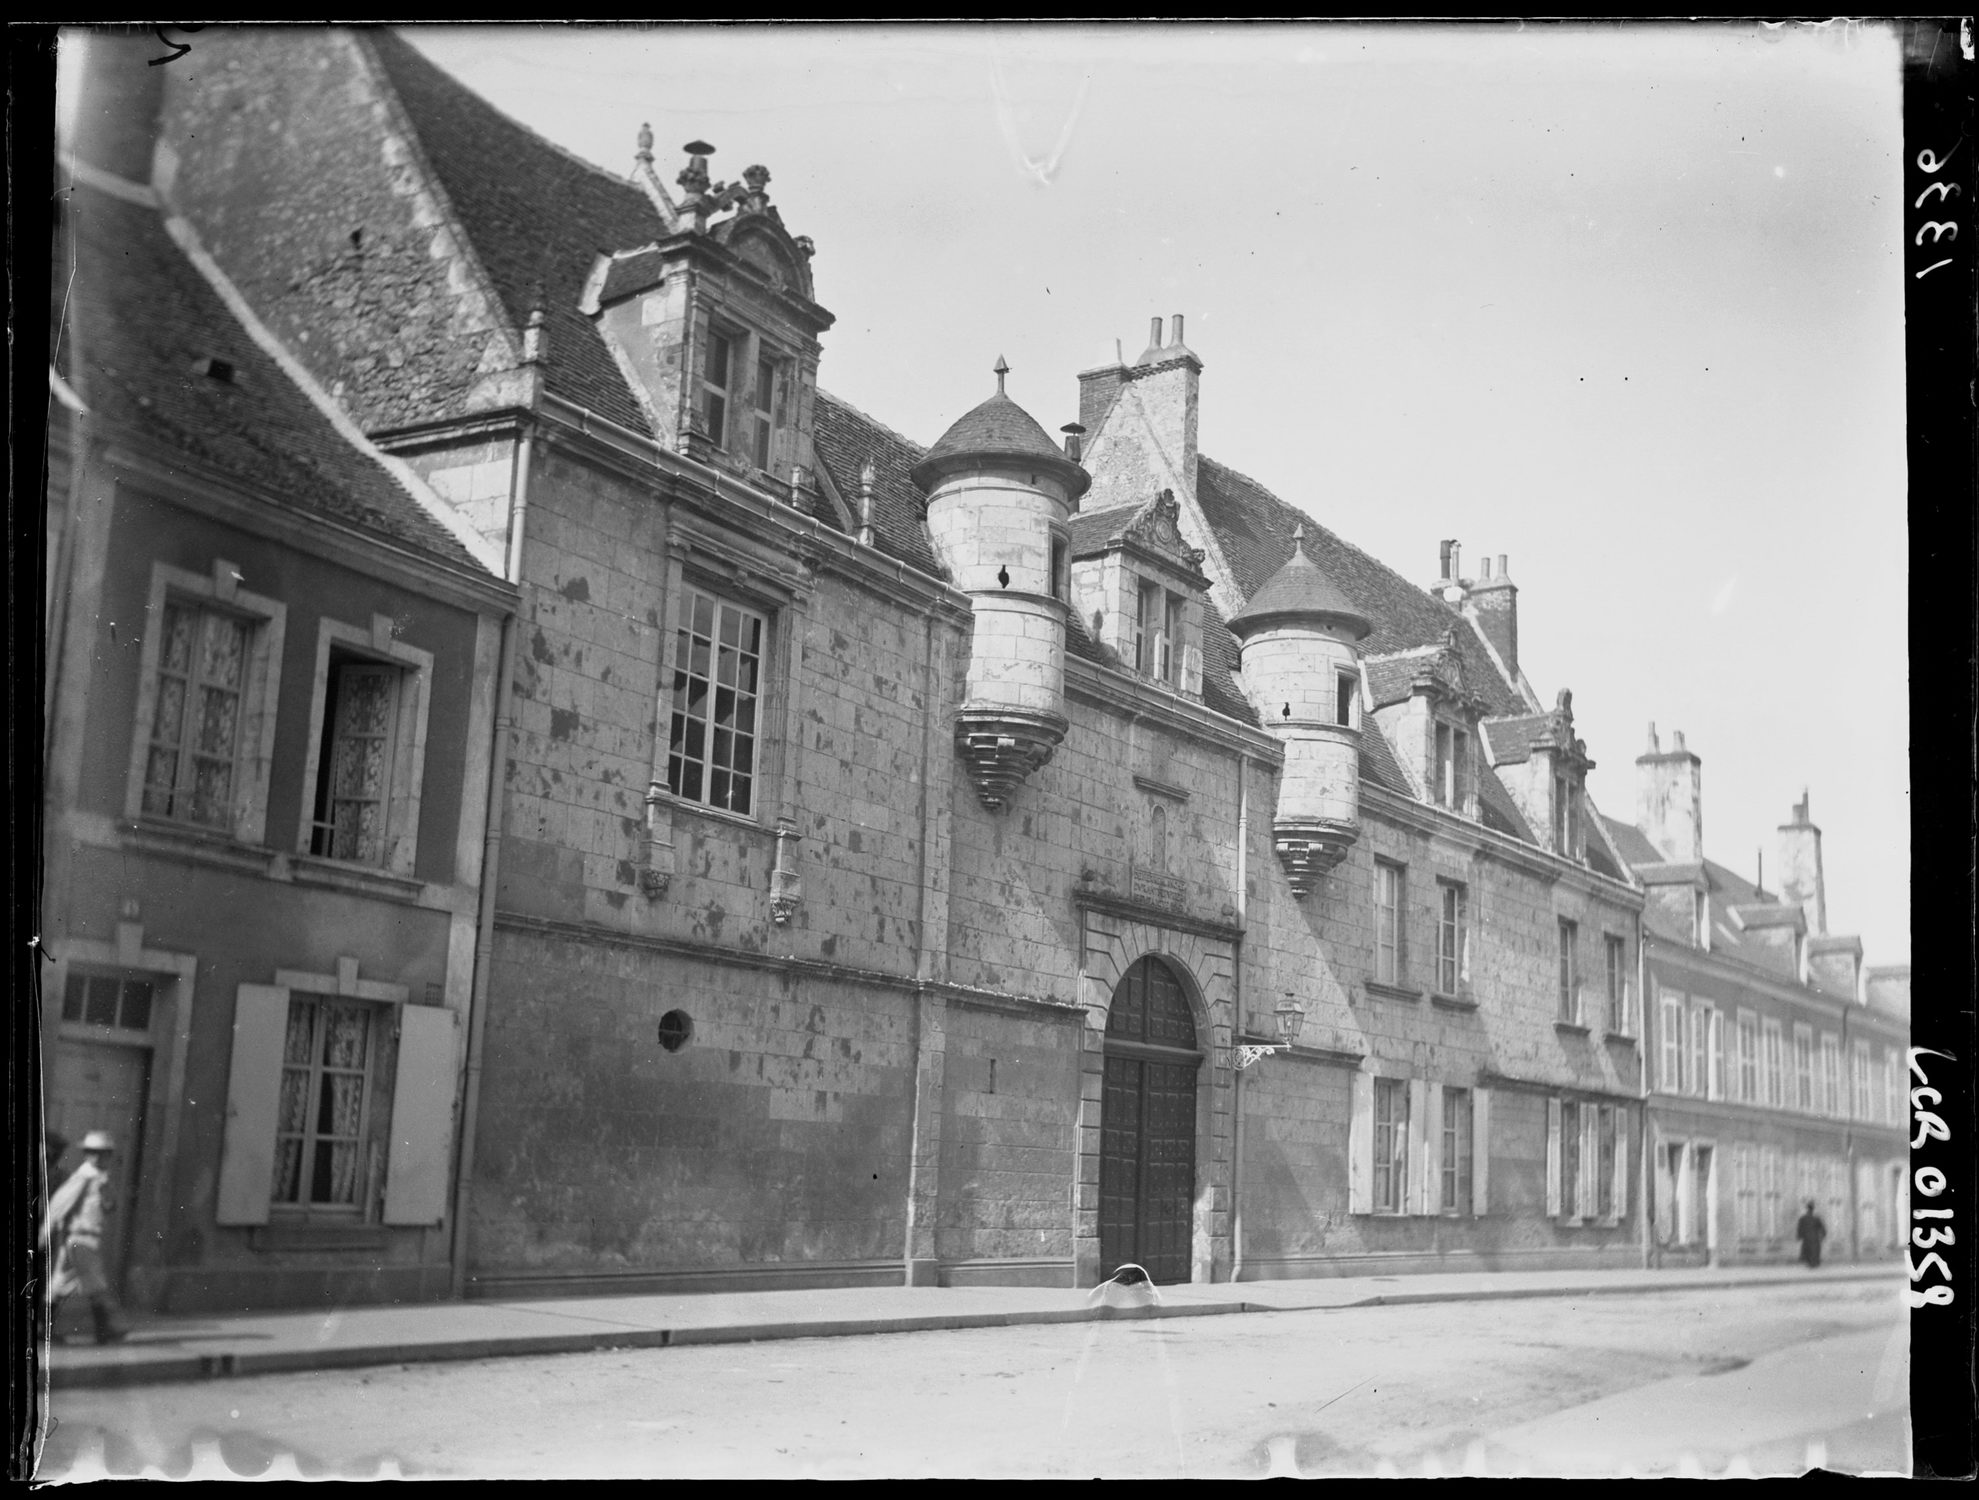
1291 1017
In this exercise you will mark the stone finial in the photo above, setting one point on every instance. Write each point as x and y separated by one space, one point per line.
755 179
534 338
806 245
645 152
693 178
1299 537
1564 702
1002 369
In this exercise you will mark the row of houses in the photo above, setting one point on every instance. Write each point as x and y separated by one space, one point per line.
542 796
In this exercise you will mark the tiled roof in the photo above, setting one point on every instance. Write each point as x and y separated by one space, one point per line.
1220 690
1512 739
1497 809
536 216
1096 530
1631 842
1254 528
145 317
1391 679
1000 428
845 439
1300 588
1736 906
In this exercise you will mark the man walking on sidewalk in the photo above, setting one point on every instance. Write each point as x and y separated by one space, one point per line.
1810 1231
78 1218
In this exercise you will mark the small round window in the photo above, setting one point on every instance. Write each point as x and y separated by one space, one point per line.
676 1027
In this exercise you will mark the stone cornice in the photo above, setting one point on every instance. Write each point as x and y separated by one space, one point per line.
1491 1078
1123 693
1736 971
1491 844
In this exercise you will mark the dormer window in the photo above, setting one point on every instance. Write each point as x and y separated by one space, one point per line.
1451 783
1158 634
720 371
764 417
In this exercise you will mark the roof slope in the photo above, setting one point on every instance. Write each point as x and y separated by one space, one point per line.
845 440
1254 528
1725 889
144 319
536 216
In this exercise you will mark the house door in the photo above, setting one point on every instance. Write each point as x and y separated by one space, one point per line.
101 1086
1147 1168
1704 1223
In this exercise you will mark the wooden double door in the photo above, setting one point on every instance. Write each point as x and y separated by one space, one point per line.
1147 1169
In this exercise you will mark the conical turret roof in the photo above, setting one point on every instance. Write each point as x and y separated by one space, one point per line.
999 428
1299 590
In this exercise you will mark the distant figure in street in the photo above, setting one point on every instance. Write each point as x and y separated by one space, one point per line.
78 1218
1811 1231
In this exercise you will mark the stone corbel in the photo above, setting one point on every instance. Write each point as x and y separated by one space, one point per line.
656 873
1309 849
786 885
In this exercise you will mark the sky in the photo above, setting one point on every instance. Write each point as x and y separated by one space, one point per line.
1622 303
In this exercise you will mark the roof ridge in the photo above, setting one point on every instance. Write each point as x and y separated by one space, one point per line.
624 181
867 417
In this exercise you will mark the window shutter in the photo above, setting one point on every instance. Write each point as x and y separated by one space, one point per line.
1421 1200
416 1172
1621 1163
1480 1151
1360 1145
1588 1169
254 1084
1432 1149
1553 1158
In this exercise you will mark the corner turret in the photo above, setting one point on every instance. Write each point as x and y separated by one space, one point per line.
1000 495
1301 663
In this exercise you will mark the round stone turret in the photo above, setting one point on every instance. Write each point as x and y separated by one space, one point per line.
1000 493
1299 638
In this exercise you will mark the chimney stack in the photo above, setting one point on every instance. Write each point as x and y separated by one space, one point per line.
1494 601
1669 800
1800 869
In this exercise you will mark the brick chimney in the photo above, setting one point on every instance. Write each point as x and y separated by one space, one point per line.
1800 869
118 98
1669 801
1099 388
1494 599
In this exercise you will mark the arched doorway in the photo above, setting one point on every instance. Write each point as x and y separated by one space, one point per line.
1147 1167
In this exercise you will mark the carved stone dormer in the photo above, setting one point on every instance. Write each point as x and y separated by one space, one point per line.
1138 588
1429 712
1544 765
714 324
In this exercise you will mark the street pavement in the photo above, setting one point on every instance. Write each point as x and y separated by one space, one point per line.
1760 1378
178 1349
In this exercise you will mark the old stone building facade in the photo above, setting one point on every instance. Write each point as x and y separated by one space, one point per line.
1777 1061
270 705
912 862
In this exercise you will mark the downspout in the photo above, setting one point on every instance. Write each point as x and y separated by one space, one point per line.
1236 1030
484 938
1645 1171
923 966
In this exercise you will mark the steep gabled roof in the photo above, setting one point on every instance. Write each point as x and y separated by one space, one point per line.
1254 530
845 440
536 216
146 324
1737 909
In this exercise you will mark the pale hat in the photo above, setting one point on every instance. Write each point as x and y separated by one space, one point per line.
98 1140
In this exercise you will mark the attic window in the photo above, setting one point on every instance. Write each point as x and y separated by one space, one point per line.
214 369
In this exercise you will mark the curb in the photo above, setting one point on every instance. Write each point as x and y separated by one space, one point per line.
182 1369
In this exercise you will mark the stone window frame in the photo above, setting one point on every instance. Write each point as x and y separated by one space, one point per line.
217 589
1570 1002
1398 911
1806 1084
1453 773
722 594
1396 1131
1454 960
1830 1093
1773 1062
1615 955
375 643
1751 1073
1671 1054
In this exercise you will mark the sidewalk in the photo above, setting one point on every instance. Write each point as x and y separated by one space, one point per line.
179 1349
